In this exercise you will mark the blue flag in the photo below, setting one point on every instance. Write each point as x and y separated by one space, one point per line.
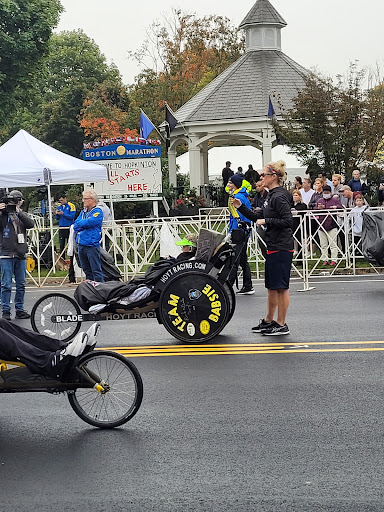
146 125
271 110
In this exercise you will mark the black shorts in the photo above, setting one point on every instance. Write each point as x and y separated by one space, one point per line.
278 270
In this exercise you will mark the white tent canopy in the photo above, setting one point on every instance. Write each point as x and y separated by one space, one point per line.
27 162
24 158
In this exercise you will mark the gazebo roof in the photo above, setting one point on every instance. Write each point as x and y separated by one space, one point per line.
243 89
263 13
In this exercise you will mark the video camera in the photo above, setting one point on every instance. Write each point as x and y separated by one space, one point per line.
11 201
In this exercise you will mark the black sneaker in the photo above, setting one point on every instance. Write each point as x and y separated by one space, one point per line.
6 315
246 291
262 325
276 330
22 314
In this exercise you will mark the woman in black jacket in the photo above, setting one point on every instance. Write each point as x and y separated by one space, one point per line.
298 211
276 217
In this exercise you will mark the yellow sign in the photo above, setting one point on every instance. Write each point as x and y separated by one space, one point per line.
30 264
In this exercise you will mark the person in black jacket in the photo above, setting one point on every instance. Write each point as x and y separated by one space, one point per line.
380 191
298 210
252 176
226 173
276 216
13 248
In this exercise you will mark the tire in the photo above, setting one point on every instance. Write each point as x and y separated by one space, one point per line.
190 314
55 304
120 403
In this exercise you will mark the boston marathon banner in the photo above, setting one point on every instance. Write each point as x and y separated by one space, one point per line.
134 171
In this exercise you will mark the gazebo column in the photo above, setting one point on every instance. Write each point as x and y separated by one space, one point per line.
204 162
267 146
172 166
195 167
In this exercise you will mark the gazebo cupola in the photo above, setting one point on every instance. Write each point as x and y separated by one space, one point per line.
262 27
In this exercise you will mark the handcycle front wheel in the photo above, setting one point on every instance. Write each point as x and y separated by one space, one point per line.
122 398
53 305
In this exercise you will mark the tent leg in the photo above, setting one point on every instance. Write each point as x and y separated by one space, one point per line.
51 227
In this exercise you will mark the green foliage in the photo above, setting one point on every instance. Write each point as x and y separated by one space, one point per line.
74 59
73 70
373 173
338 123
25 29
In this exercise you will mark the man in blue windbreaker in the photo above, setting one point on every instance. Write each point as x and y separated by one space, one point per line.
236 189
87 228
65 214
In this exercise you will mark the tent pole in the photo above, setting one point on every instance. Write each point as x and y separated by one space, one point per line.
51 226
112 208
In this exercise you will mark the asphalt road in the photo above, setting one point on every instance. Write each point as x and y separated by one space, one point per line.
275 429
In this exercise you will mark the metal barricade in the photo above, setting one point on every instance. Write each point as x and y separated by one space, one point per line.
135 244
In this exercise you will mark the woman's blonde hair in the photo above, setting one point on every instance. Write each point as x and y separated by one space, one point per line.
338 176
277 168
297 191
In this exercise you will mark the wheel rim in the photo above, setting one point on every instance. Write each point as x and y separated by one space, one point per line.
119 402
51 306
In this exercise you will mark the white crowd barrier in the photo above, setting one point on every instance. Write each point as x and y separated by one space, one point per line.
135 244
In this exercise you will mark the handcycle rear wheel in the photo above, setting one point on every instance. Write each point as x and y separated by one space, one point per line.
51 305
124 390
194 307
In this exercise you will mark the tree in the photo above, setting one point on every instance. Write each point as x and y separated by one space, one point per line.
179 57
25 29
104 112
73 70
338 123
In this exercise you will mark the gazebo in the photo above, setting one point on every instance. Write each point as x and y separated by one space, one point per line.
233 108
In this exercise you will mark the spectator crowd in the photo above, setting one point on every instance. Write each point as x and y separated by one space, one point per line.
330 231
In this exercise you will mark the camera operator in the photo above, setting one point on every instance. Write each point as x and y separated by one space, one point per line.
13 248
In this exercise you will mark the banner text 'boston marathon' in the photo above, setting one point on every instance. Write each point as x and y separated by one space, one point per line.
122 151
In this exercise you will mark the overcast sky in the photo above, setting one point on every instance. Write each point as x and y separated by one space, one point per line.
325 34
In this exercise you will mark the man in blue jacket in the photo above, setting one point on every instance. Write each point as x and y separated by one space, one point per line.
88 235
236 189
65 214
